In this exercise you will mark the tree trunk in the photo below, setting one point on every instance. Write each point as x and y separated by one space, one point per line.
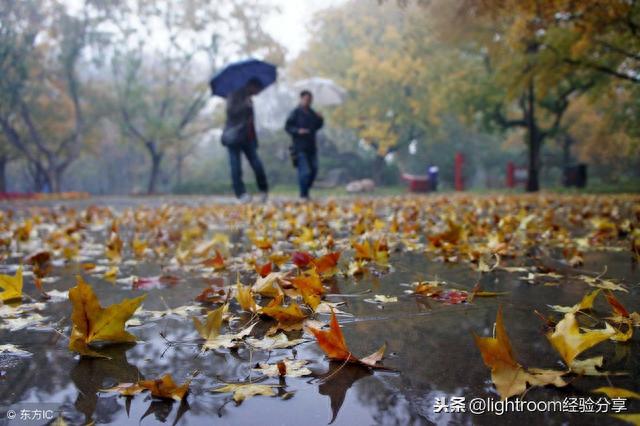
55 178
534 142
378 167
533 179
156 159
41 181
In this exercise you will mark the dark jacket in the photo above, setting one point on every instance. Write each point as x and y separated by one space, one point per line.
304 119
240 115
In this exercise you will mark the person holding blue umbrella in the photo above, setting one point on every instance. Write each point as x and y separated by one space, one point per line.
237 83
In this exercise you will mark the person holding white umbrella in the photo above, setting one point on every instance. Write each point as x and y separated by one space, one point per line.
302 124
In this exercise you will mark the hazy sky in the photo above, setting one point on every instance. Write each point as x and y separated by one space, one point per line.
290 26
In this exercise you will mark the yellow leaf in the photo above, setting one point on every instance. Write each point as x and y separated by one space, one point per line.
243 391
285 315
111 274
211 327
12 286
509 377
613 392
92 323
585 303
138 247
570 342
286 367
126 389
244 296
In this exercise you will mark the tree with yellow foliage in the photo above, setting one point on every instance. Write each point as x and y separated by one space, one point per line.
386 104
44 114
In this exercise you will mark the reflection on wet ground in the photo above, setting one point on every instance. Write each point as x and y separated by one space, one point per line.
430 353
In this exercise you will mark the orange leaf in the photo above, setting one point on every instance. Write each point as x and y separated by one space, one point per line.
284 315
333 344
165 387
332 341
327 263
216 262
264 270
616 305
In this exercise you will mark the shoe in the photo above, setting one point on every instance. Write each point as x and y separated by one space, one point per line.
264 196
244 198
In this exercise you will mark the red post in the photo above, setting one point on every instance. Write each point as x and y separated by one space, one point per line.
511 171
459 180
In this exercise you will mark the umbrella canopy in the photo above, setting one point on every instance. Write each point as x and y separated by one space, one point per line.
235 76
273 105
325 92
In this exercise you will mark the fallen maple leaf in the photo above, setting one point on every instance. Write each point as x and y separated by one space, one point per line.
93 323
334 346
603 284
613 392
165 387
285 315
378 252
264 270
210 330
113 248
327 264
301 259
284 368
382 299
570 342
12 286
111 274
509 377
245 299
310 287
126 389
216 262
617 307
41 262
138 247
279 341
242 391
210 295
584 304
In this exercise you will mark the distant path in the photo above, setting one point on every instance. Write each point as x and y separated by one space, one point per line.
119 201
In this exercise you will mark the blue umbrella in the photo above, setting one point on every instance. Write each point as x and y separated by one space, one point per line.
235 76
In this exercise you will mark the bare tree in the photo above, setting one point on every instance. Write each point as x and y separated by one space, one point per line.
161 79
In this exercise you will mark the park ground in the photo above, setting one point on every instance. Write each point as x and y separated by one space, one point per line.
425 276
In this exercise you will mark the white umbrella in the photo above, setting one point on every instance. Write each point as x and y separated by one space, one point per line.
272 106
325 92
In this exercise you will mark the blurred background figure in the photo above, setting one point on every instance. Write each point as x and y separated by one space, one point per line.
302 124
240 138
238 82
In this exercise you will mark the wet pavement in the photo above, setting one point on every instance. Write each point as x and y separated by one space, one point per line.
430 351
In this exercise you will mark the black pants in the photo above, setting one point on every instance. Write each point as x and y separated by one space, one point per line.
250 151
307 170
